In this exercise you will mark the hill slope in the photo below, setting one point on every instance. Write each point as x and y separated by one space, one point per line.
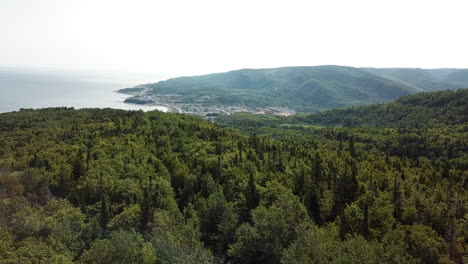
426 79
421 110
432 109
304 89
289 89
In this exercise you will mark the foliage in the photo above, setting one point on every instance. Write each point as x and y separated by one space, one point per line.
112 186
305 89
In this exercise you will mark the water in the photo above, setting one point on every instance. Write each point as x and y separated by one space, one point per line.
45 88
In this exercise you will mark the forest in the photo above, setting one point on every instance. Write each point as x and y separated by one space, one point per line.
306 89
113 186
302 89
421 110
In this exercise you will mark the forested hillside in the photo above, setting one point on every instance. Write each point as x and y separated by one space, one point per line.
425 79
436 109
111 186
299 89
421 110
304 89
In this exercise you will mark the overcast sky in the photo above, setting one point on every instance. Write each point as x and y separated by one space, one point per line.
194 37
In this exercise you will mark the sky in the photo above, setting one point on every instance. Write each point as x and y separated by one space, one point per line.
203 36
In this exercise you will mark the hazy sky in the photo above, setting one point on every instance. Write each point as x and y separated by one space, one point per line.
194 37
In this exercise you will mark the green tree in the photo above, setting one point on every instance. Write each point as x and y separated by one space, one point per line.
121 247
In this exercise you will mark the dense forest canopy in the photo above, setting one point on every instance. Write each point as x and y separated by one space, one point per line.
421 110
436 109
113 186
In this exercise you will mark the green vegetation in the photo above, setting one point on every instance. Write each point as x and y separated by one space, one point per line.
421 110
302 89
132 91
305 89
112 186
425 79
436 109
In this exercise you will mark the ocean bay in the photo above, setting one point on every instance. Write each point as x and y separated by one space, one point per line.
33 88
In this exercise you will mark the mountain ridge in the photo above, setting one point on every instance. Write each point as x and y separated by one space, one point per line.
297 88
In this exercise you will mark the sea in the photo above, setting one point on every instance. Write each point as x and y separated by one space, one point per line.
41 88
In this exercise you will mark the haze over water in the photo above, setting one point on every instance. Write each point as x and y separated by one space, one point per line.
44 88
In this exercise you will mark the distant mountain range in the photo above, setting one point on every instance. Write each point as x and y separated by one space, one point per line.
425 79
302 89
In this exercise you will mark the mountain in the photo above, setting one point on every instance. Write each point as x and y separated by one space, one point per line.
293 89
304 89
425 79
